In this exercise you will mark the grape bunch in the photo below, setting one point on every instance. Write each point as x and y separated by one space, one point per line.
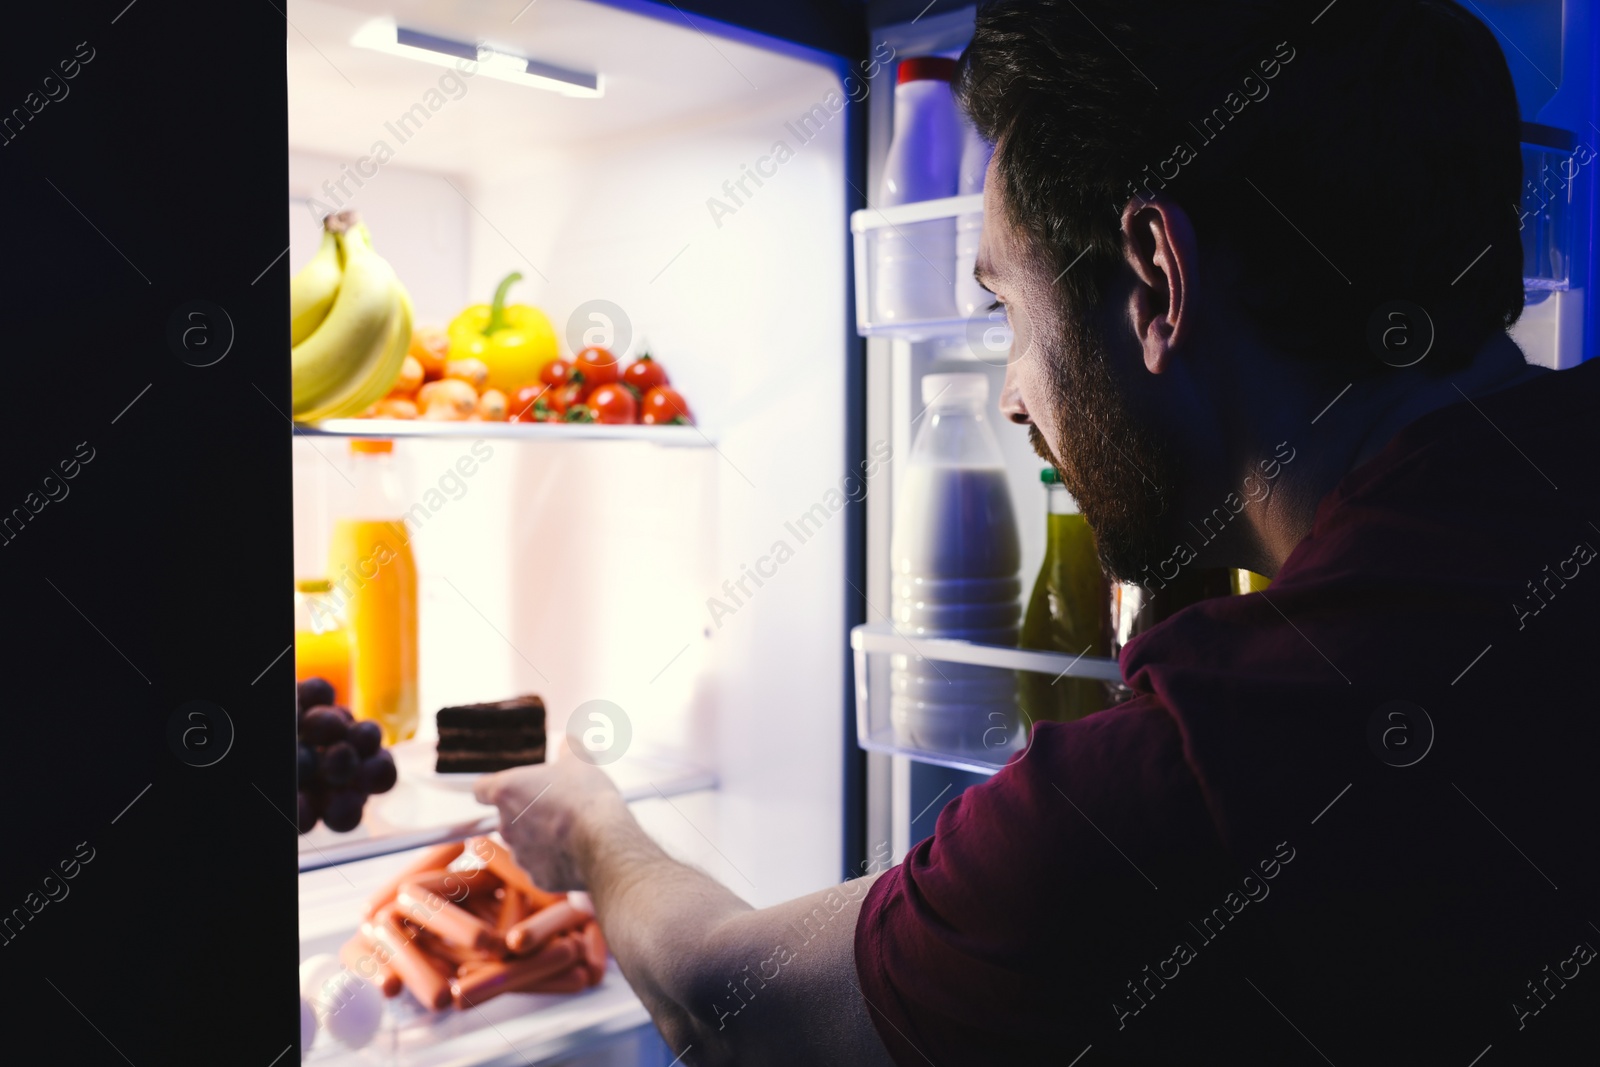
342 761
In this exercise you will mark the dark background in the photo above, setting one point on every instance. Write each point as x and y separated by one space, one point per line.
160 577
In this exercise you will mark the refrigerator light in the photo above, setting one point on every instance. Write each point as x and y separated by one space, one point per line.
384 35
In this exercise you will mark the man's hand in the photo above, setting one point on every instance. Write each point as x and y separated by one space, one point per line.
682 939
545 814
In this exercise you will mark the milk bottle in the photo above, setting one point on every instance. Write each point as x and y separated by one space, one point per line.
955 560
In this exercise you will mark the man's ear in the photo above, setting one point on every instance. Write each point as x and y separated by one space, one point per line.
1159 246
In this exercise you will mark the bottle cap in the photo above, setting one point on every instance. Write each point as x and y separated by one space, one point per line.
954 389
1050 476
313 585
371 445
926 68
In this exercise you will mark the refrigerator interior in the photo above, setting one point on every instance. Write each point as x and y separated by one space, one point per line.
574 566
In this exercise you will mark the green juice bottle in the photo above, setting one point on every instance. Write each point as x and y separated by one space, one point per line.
1249 582
1067 612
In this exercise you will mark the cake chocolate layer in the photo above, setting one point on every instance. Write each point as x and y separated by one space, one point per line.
521 712
483 762
457 738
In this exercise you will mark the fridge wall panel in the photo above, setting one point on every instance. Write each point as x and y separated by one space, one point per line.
418 223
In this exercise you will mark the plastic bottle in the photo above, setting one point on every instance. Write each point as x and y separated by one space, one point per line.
321 639
1066 612
371 566
915 261
971 298
1249 582
955 557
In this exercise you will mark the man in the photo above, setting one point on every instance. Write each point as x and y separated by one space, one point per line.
1259 261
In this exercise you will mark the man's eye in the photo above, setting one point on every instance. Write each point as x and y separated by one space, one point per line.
998 305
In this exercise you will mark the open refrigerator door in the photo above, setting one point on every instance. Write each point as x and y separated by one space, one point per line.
669 590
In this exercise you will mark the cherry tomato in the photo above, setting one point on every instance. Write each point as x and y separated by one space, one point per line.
521 403
663 405
555 405
555 372
644 374
597 367
613 403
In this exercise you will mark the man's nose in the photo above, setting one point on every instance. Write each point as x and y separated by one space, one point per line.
1011 405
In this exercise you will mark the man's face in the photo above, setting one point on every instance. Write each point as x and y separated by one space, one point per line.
1069 377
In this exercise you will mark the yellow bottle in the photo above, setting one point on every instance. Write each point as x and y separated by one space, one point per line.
1067 612
375 577
1249 582
321 642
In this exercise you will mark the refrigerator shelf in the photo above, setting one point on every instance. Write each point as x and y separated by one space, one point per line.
513 1029
669 436
425 809
917 244
897 672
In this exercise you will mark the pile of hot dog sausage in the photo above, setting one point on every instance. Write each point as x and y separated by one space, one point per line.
464 924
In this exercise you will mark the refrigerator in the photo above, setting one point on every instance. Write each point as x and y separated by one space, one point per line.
699 180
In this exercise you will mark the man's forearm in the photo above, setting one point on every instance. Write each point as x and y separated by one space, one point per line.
753 987
658 915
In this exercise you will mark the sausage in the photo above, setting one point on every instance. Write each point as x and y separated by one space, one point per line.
574 980
359 956
455 886
486 906
436 858
594 950
498 858
541 926
450 957
513 909
446 921
515 976
413 966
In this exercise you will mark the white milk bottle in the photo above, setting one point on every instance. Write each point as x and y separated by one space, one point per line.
914 260
971 298
955 559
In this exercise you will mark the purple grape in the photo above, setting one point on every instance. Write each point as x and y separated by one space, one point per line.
338 764
311 693
307 817
344 713
323 726
306 769
343 810
366 737
377 773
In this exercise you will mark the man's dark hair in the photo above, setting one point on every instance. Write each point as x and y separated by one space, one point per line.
1345 160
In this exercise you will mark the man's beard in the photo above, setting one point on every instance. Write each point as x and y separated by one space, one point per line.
1122 473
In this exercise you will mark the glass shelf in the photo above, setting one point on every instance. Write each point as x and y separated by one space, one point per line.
904 705
670 436
427 809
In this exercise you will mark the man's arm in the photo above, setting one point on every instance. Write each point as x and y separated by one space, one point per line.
724 982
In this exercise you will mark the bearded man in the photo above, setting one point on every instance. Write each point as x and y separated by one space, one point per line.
1259 260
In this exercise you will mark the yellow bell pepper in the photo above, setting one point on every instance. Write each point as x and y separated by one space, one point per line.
514 342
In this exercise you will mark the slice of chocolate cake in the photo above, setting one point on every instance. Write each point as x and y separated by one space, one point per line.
478 738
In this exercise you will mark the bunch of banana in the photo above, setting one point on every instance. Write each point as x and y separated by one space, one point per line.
349 322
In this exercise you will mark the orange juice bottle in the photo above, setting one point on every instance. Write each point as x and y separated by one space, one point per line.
321 641
372 568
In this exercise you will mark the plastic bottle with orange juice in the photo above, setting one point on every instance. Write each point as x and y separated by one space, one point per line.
321 640
371 566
